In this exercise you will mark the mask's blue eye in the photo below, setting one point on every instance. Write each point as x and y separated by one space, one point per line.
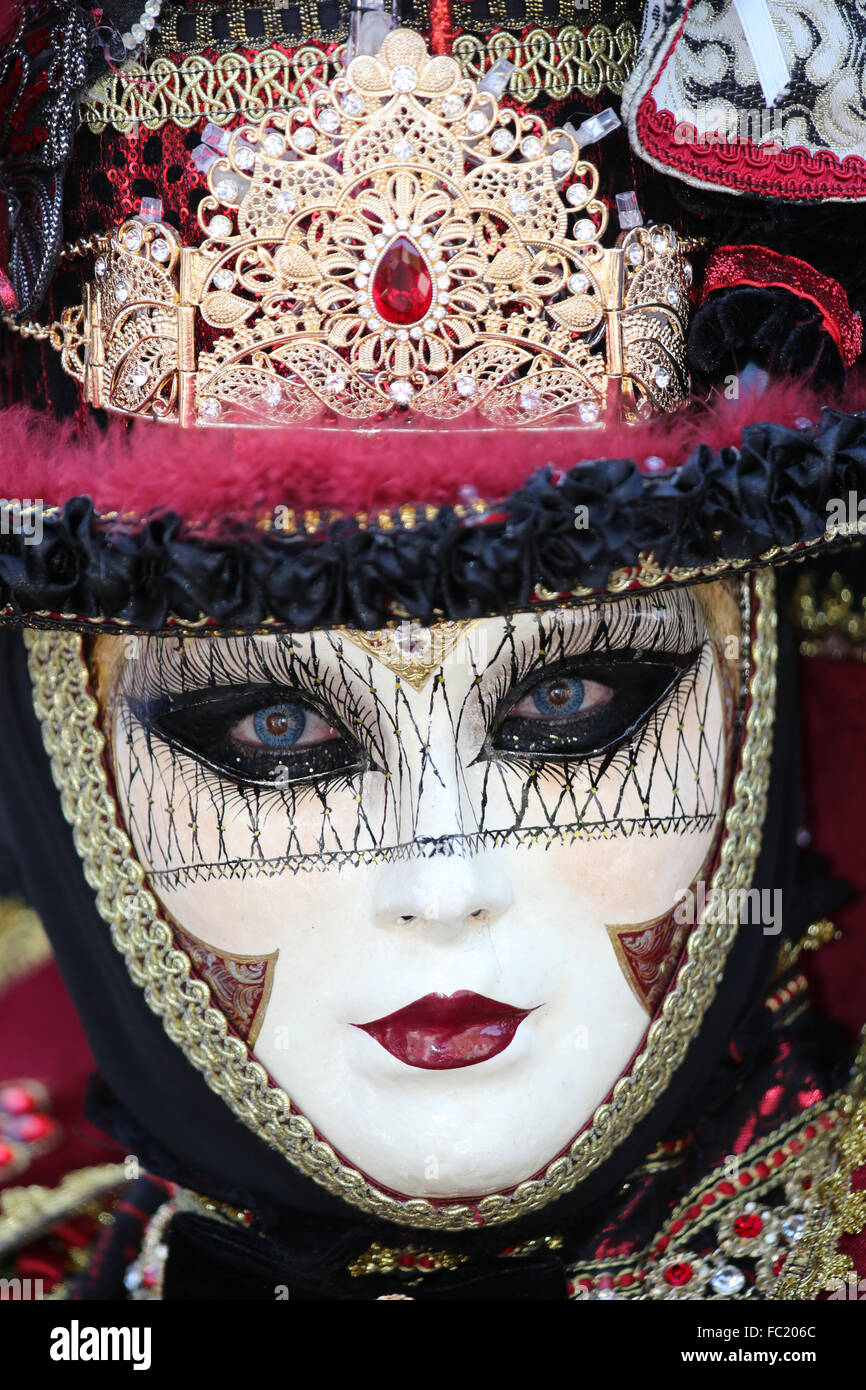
279 726
562 696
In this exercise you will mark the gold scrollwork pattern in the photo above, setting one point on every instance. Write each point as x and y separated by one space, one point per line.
69 715
548 62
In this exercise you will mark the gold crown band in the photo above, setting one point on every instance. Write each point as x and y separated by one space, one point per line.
399 241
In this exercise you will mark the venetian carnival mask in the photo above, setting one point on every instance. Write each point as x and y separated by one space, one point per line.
431 876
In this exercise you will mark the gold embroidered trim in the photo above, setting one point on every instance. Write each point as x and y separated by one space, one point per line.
69 715
830 617
174 22
25 1212
816 1264
184 90
790 1160
817 935
23 943
556 64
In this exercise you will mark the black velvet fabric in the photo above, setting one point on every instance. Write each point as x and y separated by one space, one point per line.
773 328
730 503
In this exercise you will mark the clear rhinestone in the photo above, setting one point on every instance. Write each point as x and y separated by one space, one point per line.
415 332
210 408
224 278
335 382
793 1226
577 195
438 312
403 149
329 120
365 311
660 243
226 190
452 106
379 240
584 230
606 1294
138 32
305 139
443 282
443 298
361 282
531 147
272 395
132 1278
578 283
160 250
371 253
466 386
588 412
402 335
132 238
501 140
389 229
654 463
401 391
100 265
244 157
273 145
402 224
635 253
426 243
219 225
139 374
662 378
440 267
687 272
404 78
518 203
673 297
728 1281
353 104
286 202
476 121
562 161
529 400
121 291
428 327
388 334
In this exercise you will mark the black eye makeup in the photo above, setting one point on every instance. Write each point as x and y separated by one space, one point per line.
257 735
587 706
573 684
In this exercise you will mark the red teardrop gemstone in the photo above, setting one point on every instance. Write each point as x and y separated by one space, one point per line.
402 289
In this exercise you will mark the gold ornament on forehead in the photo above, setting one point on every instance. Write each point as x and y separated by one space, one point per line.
399 241
411 651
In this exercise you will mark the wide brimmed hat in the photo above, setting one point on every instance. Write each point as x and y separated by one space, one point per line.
388 363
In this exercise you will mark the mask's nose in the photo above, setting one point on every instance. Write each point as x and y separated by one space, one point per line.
443 888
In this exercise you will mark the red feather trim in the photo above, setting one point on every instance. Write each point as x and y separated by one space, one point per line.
207 475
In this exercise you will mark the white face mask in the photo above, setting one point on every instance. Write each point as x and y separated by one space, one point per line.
430 875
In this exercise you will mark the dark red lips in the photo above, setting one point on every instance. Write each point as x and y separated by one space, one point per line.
442 1031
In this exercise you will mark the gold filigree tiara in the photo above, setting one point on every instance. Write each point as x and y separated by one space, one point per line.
398 242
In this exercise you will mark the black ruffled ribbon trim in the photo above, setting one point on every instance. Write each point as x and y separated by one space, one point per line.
728 504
